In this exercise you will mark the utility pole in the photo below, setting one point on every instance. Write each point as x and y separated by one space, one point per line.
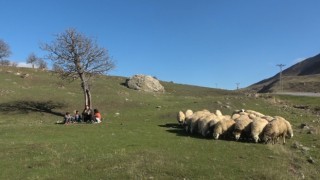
280 74
237 85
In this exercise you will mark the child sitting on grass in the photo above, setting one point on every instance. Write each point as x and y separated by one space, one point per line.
77 117
97 116
67 118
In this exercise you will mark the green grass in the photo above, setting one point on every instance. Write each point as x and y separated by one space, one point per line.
143 142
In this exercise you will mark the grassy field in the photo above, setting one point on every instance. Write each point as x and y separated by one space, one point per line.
139 137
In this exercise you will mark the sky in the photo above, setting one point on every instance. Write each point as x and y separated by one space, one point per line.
211 43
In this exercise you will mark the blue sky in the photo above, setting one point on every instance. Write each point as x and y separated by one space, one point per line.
212 43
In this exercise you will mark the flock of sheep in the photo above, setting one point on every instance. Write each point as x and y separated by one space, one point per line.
242 124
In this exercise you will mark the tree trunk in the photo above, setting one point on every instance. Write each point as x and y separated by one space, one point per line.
86 91
87 94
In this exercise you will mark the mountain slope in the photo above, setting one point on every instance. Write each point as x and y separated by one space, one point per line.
303 77
309 66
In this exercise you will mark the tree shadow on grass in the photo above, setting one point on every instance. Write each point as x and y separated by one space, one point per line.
24 107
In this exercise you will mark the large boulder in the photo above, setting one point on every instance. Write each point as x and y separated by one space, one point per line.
145 83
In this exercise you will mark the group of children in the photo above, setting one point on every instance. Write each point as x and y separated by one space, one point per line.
87 116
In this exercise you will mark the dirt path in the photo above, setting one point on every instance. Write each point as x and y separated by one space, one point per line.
309 94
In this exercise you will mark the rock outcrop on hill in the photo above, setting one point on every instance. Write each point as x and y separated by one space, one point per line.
145 83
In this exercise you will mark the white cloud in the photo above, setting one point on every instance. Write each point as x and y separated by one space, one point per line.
23 64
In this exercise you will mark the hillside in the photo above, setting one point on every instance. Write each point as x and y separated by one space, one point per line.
139 137
301 77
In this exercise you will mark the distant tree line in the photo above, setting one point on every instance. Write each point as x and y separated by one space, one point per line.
36 61
32 59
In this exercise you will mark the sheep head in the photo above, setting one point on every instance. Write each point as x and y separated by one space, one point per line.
289 135
237 134
181 117
256 138
216 136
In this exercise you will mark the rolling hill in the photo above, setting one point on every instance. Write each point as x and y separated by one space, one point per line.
301 77
139 137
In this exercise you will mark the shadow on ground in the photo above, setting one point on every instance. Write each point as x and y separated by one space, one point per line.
177 129
24 107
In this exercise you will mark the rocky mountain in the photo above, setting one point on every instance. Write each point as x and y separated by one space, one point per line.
301 77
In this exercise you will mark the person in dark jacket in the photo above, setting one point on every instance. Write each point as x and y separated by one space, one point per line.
87 114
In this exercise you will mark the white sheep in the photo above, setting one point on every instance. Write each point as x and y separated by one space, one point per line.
289 128
255 113
268 118
235 116
181 117
204 123
223 128
188 113
278 127
242 127
187 120
257 127
207 123
238 111
191 124
251 113
218 113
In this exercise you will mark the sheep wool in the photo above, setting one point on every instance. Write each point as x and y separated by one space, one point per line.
204 124
257 127
275 129
255 113
188 113
242 127
289 128
268 118
181 117
235 116
223 128
218 113
193 122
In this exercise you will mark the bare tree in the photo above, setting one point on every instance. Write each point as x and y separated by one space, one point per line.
76 56
32 59
4 50
57 69
42 64
35 60
4 62
14 64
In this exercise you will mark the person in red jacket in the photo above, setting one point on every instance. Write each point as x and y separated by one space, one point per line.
97 116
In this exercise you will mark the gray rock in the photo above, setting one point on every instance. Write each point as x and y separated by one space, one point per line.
25 75
302 125
305 149
296 145
311 160
145 83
